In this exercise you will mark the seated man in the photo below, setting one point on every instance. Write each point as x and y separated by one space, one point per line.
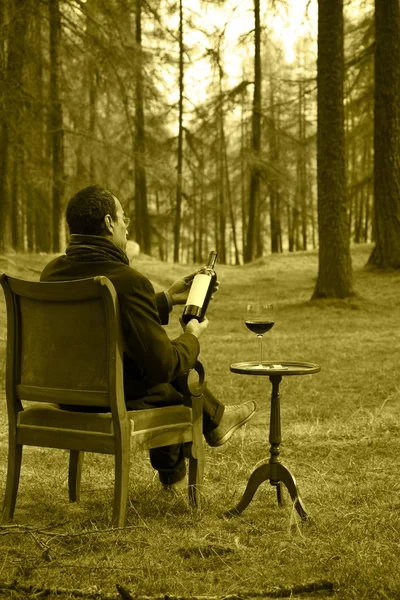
152 361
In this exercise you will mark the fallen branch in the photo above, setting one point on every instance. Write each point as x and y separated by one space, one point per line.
7 529
127 595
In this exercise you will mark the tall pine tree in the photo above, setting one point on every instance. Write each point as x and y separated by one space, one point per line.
335 271
386 253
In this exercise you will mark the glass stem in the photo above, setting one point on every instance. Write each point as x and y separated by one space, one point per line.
260 337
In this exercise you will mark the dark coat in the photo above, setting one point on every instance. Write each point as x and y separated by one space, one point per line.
150 357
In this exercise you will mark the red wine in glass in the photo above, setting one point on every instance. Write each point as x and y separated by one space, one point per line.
259 327
259 318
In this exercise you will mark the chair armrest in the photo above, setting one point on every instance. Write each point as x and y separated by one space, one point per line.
191 383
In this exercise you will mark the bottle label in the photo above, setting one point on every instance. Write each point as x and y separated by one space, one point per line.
198 291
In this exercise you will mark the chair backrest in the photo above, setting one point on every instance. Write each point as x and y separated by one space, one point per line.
64 343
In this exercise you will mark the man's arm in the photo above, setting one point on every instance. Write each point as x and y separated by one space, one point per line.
159 359
163 307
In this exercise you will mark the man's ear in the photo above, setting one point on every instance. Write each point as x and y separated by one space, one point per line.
108 223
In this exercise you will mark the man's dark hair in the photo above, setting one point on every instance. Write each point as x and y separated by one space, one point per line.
87 209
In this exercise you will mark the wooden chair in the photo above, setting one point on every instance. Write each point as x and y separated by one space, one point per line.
64 346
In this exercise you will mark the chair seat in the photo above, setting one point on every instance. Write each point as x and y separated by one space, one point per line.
51 415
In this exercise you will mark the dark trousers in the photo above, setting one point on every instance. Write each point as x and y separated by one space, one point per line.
169 461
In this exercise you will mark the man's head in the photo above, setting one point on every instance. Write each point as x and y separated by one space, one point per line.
96 211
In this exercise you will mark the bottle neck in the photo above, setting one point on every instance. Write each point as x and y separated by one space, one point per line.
211 260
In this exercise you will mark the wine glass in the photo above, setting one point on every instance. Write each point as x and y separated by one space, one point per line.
259 318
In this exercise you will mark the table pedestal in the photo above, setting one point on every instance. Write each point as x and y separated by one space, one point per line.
273 471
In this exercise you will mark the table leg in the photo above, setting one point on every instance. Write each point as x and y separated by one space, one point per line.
279 496
287 479
261 474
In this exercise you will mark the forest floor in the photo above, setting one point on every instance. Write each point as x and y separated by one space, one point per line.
341 440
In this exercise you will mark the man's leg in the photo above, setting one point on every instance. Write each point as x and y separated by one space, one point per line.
213 411
220 422
169 461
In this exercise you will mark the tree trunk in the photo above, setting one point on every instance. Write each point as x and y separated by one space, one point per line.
273 183
17 196
368 168
202 215
92 84
231 206
15 63
335 271
143 233
42 201
243 195
302 168
216 212
195 186
254 200
220 181
290 226
221 170
38 198
178 205
4 146
199 207
56 122
11 140
386 253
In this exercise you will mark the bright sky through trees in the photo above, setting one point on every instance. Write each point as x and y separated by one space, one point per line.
234 22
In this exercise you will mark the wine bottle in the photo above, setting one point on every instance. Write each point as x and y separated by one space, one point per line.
201 291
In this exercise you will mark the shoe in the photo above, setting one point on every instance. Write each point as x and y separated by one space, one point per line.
234 417
175 488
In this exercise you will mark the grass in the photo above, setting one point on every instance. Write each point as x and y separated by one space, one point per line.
341 440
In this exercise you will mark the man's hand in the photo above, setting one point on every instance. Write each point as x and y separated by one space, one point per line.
179 290
196 328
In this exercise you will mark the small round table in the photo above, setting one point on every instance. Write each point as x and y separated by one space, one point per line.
273 470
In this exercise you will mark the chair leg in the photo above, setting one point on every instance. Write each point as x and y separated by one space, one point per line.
196 456
13 473
121 486
75 475
196 472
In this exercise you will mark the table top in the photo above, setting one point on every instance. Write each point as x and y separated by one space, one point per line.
268 369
